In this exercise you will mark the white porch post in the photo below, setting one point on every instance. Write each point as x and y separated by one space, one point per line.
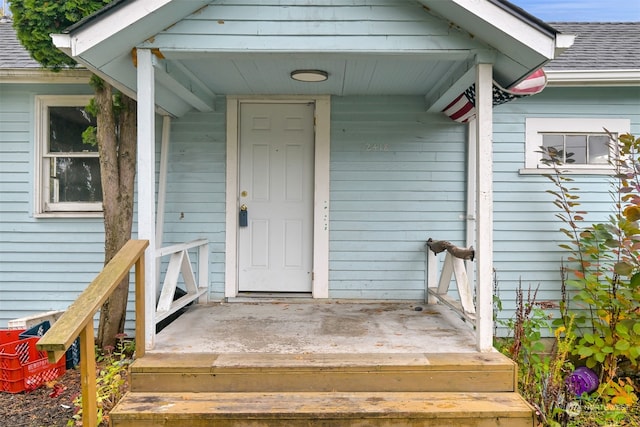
162 184
484 207
146 185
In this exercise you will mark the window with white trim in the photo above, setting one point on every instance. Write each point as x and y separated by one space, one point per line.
67 169
583 144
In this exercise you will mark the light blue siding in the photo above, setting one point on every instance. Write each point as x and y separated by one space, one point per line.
195 200
44 262
526 228
393 185
382 25
397 178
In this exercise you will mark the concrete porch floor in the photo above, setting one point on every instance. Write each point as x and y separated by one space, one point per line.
312 326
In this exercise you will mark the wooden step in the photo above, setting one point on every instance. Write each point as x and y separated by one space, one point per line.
441 372
322 409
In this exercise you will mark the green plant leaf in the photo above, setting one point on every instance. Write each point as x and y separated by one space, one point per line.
622 329
538 347
623 268
623 345
585 352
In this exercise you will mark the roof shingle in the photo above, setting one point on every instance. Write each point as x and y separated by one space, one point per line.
599 46
12 53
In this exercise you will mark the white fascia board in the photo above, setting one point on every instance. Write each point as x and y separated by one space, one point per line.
563 42
490 23
593 77
104 27
516 28
131 13
62 42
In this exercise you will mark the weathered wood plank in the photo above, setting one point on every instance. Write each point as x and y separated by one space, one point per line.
88 377
322 409
243 372
348 380
320 360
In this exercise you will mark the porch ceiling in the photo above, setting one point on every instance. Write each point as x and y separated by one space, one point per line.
260 74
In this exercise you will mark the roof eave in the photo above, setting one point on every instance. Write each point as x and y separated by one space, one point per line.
42 75
120 18
616 77
502 19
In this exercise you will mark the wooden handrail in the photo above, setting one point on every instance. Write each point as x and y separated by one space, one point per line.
78 320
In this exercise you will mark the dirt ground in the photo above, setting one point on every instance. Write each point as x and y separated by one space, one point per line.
50 405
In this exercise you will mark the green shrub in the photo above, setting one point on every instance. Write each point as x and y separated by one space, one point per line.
604 271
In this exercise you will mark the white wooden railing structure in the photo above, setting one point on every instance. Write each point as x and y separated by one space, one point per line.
437 290
196 287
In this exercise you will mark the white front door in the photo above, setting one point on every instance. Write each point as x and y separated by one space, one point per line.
276 187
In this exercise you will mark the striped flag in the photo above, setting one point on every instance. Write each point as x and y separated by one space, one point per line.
462 109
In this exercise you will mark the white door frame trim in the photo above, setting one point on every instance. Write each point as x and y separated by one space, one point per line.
322 131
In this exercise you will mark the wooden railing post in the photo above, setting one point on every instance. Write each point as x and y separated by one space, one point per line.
140 307
88 376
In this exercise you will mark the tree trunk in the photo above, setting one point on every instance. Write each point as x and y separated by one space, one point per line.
116 135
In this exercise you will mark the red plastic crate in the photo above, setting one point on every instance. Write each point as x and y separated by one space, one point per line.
10 335
24 368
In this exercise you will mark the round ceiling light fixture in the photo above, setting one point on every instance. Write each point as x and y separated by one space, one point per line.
309 75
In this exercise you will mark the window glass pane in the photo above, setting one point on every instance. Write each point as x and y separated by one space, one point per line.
576 145
75 179
599 149
554 142
66 125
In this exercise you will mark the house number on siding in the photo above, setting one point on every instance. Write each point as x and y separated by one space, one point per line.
377 147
